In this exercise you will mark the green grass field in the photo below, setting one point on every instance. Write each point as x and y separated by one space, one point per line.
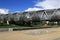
35 24
10 26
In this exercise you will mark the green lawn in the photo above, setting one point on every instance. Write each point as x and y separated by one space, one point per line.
11 26
35 24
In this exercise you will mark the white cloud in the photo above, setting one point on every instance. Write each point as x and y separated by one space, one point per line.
18 11
3 11
48 4
33 9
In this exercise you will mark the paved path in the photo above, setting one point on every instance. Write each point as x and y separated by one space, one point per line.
36 34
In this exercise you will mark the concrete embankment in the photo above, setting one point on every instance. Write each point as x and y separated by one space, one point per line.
6 29
19 29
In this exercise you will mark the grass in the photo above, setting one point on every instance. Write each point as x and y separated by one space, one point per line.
35 24
11 26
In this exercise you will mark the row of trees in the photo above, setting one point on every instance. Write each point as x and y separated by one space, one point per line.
29 17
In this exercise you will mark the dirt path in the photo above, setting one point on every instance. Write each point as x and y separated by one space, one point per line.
37 34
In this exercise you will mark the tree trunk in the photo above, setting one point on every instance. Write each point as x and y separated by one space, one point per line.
7 22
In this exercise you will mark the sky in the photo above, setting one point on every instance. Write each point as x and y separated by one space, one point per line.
7 6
